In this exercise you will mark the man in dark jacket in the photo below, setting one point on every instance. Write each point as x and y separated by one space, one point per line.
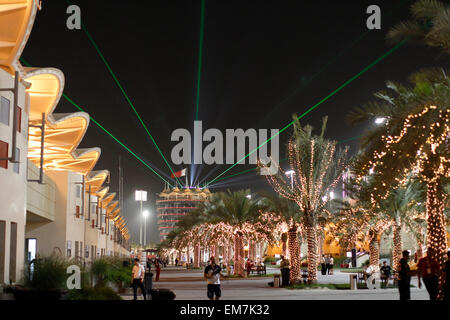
404 277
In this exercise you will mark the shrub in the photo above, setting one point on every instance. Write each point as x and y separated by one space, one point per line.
46 273
110 270
89 293
270 260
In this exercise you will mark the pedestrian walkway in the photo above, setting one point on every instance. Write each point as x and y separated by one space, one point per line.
258 288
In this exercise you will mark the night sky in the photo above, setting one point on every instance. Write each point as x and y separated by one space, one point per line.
262 62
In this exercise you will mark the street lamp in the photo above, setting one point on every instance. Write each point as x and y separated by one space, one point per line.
291 174
140 195
145 214
379 120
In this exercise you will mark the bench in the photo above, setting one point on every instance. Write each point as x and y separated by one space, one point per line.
258 270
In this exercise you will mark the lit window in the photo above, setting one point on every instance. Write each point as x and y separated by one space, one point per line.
69 248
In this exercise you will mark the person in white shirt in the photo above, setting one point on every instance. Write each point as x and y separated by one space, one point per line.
330 268
138 273
212 276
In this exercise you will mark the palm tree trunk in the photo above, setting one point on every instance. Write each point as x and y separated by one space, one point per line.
312 253
238 255
188 256
284 240
225 254
216 252
436 228
396 255
294 252
374 250
196 256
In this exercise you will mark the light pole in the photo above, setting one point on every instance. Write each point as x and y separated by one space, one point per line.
291 173
140 195
145 214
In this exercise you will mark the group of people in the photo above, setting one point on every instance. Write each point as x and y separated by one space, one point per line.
427 271
250 264
326 263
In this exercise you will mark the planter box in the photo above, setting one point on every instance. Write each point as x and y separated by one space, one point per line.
27 294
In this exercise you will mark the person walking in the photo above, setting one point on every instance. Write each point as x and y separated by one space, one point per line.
323 265
285 272
428 270
404 277
331 265
176 262
138 273
212 276
158 269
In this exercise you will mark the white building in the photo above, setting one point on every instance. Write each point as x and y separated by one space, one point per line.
44 199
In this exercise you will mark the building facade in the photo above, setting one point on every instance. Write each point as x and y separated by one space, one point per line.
47 184
175 203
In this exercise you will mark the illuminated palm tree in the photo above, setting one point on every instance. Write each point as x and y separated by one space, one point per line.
317 166
413 139
288 216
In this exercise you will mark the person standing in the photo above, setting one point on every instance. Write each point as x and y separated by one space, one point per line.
404 277
428 270
212 276
138 273
176 262
323 265
385 271
158 269
331 265
285 272
327 263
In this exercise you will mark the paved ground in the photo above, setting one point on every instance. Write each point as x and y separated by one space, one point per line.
188 285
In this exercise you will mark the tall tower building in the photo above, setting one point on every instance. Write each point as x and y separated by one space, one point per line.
175 203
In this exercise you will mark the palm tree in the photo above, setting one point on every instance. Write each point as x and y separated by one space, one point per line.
317 166
289 216
402 210
430 25
414 139
242 214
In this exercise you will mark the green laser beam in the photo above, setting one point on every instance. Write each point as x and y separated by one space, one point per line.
325 67
117 140
105 130
282 160
116 80
200 54
318 104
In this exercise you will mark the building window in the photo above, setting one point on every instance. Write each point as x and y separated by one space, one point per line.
76 249
77 211
3 154
69 248
86 249
78 191
4 111
16 166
